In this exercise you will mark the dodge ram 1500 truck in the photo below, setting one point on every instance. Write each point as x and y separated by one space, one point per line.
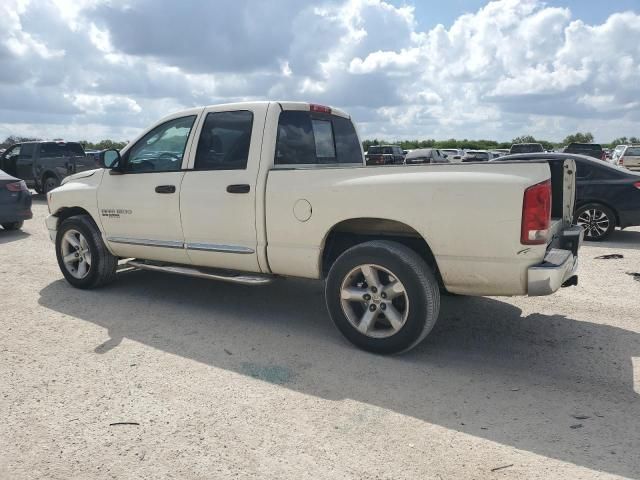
249 192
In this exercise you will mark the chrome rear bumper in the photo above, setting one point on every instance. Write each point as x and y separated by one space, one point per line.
547 277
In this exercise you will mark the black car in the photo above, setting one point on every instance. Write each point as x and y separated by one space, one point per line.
589 149
43 165
526 148
15 202
607 196
384 155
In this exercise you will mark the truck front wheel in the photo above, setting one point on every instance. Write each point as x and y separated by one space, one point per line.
382 296
82 255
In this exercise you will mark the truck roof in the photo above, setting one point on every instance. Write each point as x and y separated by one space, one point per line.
285 105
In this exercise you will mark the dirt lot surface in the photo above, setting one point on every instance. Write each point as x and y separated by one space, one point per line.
160 376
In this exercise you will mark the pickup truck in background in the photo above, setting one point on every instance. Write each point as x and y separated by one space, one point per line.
249 192
384 155
43 165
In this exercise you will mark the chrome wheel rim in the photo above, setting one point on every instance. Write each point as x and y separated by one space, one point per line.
374 301
76 254
594 222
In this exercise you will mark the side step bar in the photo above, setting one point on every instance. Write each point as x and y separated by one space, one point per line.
211 274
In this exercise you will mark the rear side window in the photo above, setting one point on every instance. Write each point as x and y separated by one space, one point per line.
74 150
224 141
633 152
52 150
316 139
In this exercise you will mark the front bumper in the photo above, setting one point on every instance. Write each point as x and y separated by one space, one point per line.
52 226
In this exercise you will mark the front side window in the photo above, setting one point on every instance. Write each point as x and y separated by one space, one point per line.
224 141
162 149
306 138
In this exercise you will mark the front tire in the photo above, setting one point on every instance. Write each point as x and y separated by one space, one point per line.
49 184
382 296
598 221
13 225
82 256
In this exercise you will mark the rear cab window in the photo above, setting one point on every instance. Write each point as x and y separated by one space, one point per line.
313 138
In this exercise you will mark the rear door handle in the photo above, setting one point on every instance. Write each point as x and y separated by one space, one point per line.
242 188
166 189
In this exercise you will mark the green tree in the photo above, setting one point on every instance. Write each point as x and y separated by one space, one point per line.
525 139
579 137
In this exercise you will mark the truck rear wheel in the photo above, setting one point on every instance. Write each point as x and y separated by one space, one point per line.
382 296
49 184
82 255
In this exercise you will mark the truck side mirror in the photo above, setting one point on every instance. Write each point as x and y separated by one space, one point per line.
110 159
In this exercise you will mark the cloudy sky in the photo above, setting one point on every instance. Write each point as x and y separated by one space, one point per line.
91 69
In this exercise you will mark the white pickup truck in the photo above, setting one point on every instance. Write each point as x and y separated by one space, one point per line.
249 192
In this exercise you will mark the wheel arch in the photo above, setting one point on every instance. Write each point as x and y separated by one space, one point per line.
67 212
353 231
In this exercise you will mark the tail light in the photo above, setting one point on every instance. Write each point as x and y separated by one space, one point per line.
536 214
637 185
17 186
603 156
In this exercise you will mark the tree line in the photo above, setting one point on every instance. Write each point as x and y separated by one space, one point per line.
579 137
101 145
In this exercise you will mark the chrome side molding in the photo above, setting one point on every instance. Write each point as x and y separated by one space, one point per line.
206 247
146 242
212 247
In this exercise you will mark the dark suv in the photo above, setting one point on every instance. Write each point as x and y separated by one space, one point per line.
590 149
384 155
43 165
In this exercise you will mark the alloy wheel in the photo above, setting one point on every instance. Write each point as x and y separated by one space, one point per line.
595 222
76 254
374 301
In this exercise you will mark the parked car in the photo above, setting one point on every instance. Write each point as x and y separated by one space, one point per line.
251 200
15 202
453 154
476 156
526 148
630 157
43 165
616 153
501 151
589 149
425 155
607 196
384 155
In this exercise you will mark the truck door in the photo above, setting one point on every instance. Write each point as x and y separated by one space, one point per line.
24 163
140 205
218 196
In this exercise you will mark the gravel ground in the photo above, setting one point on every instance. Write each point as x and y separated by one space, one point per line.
160 376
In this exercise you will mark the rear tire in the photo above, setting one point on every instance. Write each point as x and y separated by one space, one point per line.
598 221
394 310
79 241
13 225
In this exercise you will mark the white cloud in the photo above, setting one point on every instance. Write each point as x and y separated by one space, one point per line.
512 67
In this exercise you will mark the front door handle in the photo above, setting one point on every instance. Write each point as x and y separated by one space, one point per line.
242 188
166 189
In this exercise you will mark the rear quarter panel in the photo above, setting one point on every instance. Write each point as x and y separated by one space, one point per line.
469 214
